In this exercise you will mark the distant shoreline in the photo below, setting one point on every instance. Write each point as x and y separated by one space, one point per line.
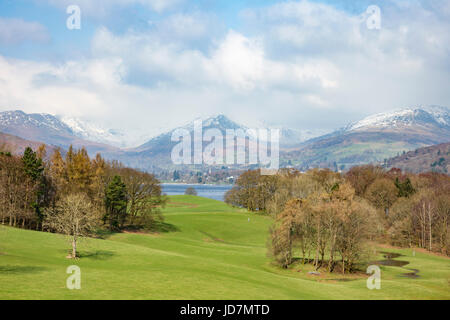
196 184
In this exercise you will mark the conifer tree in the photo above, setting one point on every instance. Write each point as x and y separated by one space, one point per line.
34 169
116 203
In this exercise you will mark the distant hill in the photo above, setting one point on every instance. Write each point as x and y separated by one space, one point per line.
48 129
434 158
17 145
374 139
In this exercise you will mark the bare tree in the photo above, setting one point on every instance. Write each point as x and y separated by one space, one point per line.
73 216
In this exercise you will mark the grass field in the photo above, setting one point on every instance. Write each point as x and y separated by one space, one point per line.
211 251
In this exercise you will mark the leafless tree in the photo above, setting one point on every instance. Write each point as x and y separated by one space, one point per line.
74 217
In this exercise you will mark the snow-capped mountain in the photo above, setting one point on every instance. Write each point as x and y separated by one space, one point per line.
375 138
48 129
372 139
288 137
95 132
422 115
17 119
162 141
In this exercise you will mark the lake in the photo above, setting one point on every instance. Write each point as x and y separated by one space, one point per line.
216 192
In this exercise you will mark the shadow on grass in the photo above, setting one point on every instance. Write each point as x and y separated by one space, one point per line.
156 227
163 227
21 269
96 255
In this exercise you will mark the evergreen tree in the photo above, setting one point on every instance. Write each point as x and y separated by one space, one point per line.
34 169
33 165
116 203
405 189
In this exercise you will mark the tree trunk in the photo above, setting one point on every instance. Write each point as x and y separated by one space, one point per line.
74 248
430 218
331 262
316 258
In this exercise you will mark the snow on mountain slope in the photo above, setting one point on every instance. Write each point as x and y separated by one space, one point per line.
17 118
422 115
94 132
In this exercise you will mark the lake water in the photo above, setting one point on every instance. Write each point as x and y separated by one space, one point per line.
216 192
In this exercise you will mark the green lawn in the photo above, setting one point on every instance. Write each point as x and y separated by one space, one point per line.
211 252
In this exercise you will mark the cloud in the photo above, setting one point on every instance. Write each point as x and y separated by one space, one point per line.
235 62
298 63
15 31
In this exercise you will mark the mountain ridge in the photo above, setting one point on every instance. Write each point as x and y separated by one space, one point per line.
372 139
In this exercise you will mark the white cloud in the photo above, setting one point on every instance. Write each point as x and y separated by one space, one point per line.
234 63
15 31
300 64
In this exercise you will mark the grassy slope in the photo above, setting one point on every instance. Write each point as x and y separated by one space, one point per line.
215 254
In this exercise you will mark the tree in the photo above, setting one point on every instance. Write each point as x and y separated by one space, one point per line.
58 170
144 196
362 177
99 169
34 169
252 191
17 191
190 192
284 232
176 175
72 216
116 203
81 173
41 152
291 185
329 222
32 165
382 194
405 188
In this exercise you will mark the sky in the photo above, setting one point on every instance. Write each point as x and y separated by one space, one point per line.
143 65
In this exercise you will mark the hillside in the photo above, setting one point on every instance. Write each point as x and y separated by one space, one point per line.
209 251
48 129
18 145
434 158
374 139
370 140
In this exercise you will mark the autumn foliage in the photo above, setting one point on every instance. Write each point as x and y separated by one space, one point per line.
328 219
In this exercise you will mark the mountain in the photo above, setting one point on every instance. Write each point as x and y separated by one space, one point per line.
370 140
434 158
91 131
48 129
425 116
160 143
291 138
374 139
156 153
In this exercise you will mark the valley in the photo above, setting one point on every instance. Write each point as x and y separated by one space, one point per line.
213 252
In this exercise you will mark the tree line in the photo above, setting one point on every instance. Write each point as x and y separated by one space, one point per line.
328 219
74 194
